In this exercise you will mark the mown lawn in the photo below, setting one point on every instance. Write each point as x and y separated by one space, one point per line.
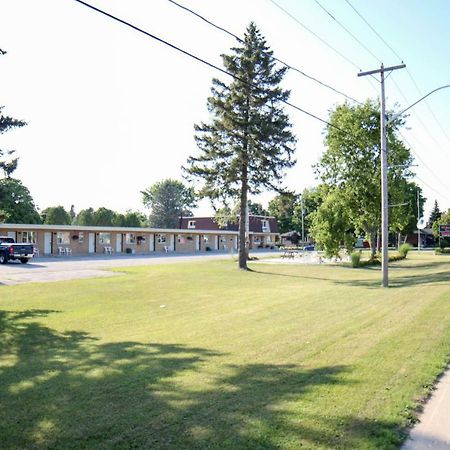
202 355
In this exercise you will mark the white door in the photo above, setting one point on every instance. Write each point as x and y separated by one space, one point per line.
47 243
91 243
197 242
12 234
118 242
151 242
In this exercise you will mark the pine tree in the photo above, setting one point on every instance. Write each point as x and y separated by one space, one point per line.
248 143
8 166
435 214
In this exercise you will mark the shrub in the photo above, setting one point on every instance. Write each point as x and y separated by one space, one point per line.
356 258
404 249
442 251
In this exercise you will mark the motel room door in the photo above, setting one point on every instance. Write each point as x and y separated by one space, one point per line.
91 243
47 243
119 243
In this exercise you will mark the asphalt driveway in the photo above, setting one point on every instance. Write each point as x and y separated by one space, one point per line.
43 269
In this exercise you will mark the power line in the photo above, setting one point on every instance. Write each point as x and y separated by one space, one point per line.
321 40
407 70
428 105
197 58
432 188
375 31
423 162
348 31
316 35
289 66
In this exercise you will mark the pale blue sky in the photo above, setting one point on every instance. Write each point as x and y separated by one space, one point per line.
111 111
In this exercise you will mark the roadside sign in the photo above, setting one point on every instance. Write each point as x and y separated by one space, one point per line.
444 230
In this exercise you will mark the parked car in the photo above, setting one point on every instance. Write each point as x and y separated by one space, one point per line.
10 251
309 248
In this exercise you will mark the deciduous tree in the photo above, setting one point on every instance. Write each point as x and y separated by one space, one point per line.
168 200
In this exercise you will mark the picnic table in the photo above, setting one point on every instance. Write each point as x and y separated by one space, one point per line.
289 253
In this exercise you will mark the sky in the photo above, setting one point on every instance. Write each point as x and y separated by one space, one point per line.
111 111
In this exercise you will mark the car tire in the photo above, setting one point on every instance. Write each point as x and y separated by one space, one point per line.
3 259
23 260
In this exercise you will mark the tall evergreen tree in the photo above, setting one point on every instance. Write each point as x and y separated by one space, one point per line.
436 214
249 142
9 164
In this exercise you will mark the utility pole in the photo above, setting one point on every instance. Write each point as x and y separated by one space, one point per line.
384 184
303 224
418 218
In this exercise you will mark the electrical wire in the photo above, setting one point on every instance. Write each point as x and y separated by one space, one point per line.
289 66
416 155
197 58
348 31
428 105
407 70
323 41
375 31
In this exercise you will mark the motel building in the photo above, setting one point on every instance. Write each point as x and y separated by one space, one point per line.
193 235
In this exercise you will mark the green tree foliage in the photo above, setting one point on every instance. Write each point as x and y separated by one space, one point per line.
256 209
435 214
108 218
310 199
16 203
331 224
444 219
168 200
85 217
283 207
8 164
55 215
351 163
403 214
248 143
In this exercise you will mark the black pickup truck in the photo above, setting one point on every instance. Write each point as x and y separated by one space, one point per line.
11 251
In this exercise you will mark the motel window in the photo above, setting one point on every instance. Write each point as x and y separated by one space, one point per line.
81 237
130 238
181 239
205 238
104 238
63 238
265 225
161 238
29 237
191 224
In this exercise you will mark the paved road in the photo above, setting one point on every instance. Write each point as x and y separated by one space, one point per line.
69 268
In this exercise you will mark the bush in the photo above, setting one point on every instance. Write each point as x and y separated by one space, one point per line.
356 258
404 249
442 251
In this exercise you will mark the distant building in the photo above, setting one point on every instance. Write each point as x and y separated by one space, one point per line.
263 230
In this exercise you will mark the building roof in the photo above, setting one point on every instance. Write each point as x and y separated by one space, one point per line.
208 223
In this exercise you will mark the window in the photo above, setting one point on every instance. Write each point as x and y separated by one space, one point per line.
29 237
161 238
130 238
104 238
191 224
205 238
265 225
181 239
81 237
63 237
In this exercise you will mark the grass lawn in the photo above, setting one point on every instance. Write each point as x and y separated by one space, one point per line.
202 355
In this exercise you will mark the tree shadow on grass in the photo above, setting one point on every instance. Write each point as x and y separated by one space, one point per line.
403 281
69 390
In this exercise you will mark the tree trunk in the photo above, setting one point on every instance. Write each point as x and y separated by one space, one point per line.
243 244
373 243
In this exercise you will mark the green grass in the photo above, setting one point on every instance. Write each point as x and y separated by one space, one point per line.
282 357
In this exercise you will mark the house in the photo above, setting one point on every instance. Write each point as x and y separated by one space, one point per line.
263 230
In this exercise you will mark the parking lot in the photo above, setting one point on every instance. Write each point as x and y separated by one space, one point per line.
43 269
